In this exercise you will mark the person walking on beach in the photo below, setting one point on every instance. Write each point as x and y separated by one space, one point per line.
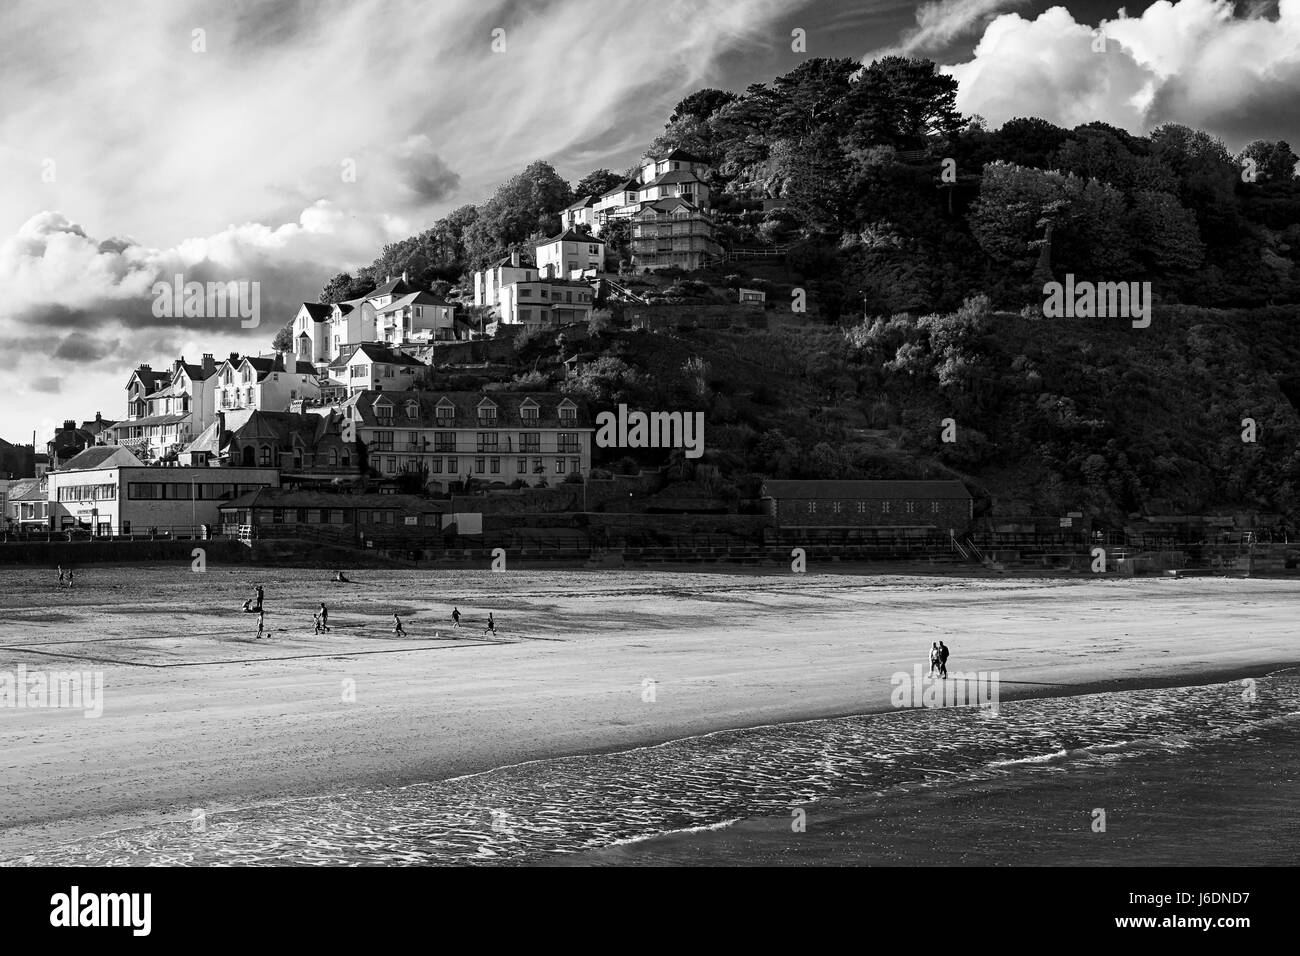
398 630
943 659
60 575
323 619
491 625
934 658
455 617
69 577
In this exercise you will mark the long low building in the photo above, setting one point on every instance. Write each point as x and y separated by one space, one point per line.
943 505
107 491
359 513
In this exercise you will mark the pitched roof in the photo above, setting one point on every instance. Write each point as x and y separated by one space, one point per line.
319 311
571 235
865 489
675 176
152 420
102 456
671 204
398 286
414 298
466 406
26 489
626 186
376 353
582 203
680 155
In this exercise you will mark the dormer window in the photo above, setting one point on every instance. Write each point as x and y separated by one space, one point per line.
445 412
384 412
529 411
487 414
412 410
568 412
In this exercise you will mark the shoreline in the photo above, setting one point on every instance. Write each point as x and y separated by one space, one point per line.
64 830
219 723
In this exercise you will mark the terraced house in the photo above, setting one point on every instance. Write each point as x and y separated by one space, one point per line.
497 437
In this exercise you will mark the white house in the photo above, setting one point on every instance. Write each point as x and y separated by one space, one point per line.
580 213
264 383
545 303
677 160
376 367
569 255
489 282
416 317
619 202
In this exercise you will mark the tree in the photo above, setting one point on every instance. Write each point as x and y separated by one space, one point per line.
345 286
596 183
1275 161
525 207
283 341
902 102
702 104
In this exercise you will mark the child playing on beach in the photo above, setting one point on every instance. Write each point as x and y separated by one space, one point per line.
261 623
491 625
69 577
60 575
934 658
398 630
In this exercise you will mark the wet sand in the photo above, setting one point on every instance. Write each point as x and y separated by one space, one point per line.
198 714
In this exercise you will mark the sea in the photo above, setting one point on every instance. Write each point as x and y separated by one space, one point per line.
1198 775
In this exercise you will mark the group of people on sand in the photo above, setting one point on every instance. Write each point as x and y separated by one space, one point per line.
320 620
62 573
939 659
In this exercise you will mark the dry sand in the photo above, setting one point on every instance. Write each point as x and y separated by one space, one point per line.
199 714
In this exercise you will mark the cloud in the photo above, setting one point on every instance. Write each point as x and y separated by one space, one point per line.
1195 62
940 23
47 384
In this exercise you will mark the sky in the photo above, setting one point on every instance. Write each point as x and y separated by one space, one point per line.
279 143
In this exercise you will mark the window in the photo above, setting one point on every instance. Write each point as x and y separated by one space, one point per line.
435 466
412 464
334 457
812 507
444 441
559 466
884 507
530 441
934 507
529 413
384 413
568 413
392 465
359 371
835 507
568 442
487 441
265 457
494 465
478 466
537 466
412 410
487 415
575 465
453 466
593 250
413 438
383 440
521 466
862 507
301 516
446 413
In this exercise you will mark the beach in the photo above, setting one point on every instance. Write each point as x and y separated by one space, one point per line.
201 720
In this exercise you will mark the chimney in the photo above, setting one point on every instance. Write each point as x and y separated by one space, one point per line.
514 259
69 425
145 368
176 365
209 364
279 361
234 357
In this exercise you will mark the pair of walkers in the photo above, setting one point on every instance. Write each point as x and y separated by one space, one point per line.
939 659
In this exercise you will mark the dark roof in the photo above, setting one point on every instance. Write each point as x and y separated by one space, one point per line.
285 498
397 286
466 405
927 490
626 186
152 420
675 176
669 205
571 235
100 456
376 353
151 379
582 203
319 311
680 155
